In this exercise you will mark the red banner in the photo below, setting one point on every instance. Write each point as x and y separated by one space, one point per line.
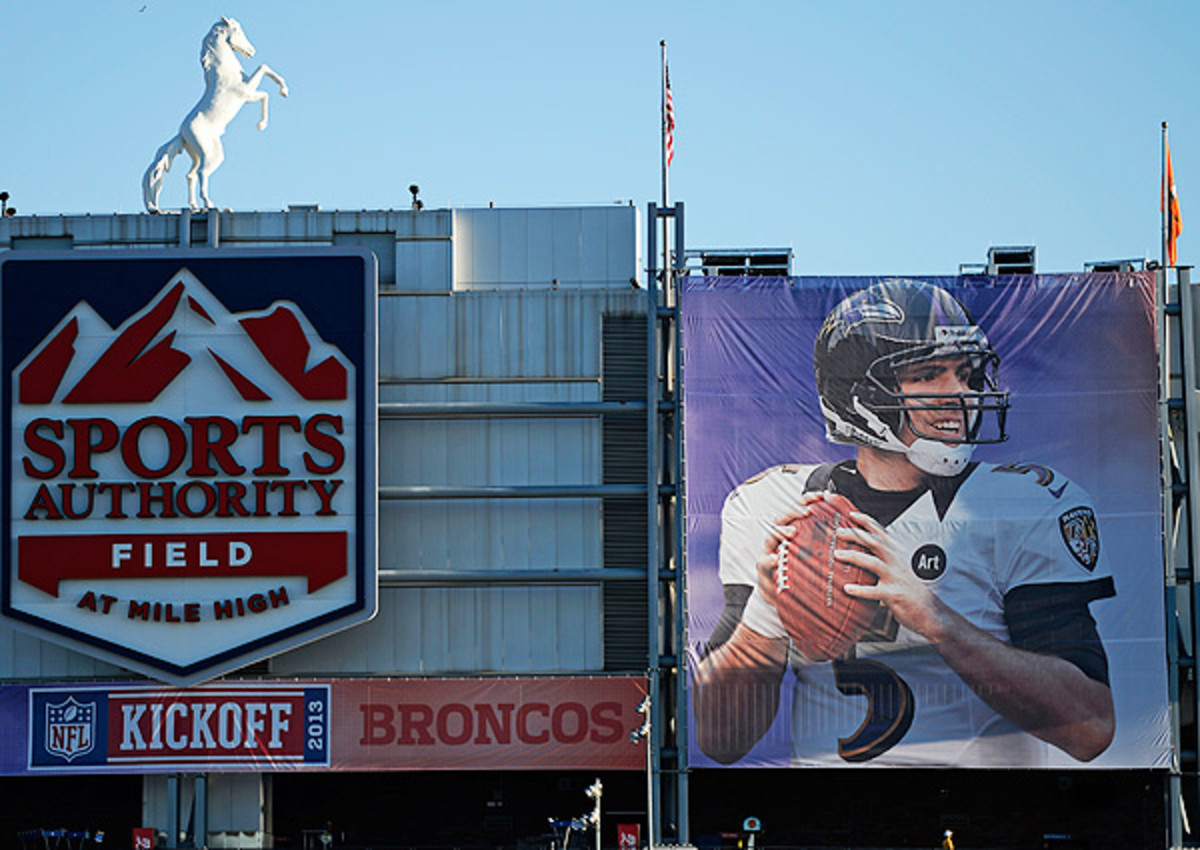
535 723
45 560
473 724
214 726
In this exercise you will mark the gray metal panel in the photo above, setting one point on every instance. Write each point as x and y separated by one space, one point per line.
23 656
567 241
382 245
519 334
424 265
260 229
541 268
512 346
578 247
463 630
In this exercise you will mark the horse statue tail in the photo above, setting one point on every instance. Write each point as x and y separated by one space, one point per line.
153 180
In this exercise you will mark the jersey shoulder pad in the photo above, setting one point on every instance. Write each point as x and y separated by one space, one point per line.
788 477
1026 478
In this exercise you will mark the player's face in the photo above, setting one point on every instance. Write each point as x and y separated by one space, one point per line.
945 417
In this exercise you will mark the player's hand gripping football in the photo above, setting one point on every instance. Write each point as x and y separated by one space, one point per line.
867 545
801 575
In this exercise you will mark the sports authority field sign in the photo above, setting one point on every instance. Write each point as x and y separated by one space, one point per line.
189 455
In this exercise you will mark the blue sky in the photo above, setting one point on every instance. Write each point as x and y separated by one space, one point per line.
870 137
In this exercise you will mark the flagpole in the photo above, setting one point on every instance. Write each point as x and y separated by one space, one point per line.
662 114
663 130
1164 202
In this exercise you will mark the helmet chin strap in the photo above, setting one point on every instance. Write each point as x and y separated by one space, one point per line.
932 457
937 458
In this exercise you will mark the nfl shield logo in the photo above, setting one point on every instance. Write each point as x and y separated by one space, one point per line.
70 728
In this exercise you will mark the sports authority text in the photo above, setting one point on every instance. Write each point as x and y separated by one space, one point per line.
250 452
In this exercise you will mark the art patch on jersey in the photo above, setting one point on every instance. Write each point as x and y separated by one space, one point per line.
1082 536
929 562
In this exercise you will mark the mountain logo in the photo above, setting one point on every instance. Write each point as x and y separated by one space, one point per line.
182 331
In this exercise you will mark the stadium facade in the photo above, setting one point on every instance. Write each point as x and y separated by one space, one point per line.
521 549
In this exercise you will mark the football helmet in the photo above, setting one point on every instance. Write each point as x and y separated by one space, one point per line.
879 331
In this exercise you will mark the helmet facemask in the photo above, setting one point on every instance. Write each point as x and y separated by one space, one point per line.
981 398
982 409
877 334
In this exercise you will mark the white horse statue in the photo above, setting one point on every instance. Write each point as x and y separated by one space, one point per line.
226 89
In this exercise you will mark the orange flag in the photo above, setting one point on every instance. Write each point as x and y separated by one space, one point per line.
1168 204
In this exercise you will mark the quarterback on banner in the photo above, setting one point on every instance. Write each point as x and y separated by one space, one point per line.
932 609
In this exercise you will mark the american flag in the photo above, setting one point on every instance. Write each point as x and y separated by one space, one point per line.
668 116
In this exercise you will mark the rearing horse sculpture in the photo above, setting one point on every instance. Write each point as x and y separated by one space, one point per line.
226 90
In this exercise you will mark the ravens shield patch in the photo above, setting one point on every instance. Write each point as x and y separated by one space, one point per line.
1079 532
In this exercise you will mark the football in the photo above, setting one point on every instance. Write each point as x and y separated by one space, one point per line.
822 620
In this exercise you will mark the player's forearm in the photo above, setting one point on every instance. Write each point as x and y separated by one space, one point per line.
1046 696
736 693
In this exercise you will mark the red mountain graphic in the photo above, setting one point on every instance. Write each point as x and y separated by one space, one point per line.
130 370
280 338
183 330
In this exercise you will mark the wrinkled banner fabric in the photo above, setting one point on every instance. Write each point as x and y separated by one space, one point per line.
1078 359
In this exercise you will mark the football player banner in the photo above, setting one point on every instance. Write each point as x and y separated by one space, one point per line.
923 522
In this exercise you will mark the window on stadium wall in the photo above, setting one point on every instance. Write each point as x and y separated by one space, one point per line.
924 522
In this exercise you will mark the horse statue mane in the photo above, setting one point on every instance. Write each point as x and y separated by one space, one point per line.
226 90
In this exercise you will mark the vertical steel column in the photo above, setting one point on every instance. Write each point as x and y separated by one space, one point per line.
214 228
1179 399
200 811
1187 596
1170 594
666 786
683 814
172 810
654 710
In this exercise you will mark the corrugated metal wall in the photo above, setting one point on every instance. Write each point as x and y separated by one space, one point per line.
500 346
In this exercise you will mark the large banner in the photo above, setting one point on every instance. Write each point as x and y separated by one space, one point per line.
924 522
535 723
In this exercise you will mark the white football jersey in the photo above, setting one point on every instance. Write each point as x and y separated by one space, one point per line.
1006 526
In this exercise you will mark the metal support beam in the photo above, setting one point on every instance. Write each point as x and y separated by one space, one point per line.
1185 796
525 491
172 810
200 811
654 706
503 410
1179 418
400 577
666 773
682 813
